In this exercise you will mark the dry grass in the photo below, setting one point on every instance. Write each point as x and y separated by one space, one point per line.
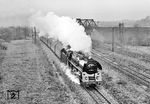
25 68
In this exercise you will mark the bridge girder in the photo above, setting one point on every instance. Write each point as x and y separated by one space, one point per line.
88 24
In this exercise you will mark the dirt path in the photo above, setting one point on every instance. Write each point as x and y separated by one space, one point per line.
26 68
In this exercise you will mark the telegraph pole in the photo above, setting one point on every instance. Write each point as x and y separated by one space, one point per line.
34 35
121 26
113 38
25 32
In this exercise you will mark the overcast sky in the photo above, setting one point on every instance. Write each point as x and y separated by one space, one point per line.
107 10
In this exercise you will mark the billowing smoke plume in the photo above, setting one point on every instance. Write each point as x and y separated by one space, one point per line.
65 29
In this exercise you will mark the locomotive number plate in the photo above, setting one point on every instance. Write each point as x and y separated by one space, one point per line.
12 94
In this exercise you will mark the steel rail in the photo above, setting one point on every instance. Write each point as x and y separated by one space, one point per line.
124 69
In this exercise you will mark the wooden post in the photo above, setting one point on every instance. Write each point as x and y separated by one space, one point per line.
34 35
25 32
113 38
121 29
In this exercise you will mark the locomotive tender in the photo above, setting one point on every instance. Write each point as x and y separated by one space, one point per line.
85 68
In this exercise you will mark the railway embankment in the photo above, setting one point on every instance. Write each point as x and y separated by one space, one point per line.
28 77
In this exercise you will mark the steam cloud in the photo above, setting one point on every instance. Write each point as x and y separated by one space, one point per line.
65 29
69 74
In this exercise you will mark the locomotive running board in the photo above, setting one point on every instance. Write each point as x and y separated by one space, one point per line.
78 68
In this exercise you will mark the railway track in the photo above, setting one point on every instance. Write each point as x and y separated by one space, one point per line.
143 57
128 71
97 96
140 68
99 93
129 63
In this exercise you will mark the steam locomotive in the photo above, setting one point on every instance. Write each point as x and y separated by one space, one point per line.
85 68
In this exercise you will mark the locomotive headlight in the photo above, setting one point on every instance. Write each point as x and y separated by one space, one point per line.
86 77
97 77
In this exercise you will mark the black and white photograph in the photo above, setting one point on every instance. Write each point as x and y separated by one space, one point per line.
74 51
